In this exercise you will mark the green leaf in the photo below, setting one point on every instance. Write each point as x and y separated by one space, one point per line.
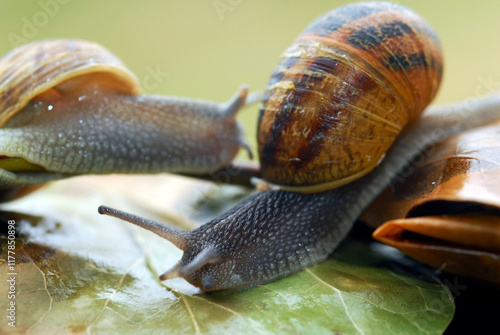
78 272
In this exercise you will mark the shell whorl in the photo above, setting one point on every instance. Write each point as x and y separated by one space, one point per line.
342 92
33 68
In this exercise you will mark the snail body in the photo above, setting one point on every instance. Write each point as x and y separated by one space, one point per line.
372 65
70 107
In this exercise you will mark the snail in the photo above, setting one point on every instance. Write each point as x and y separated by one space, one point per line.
375 66
71 107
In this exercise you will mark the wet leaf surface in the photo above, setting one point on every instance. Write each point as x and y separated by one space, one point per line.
78 272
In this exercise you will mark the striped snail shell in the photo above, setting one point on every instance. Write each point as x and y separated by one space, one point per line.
342 93
71 107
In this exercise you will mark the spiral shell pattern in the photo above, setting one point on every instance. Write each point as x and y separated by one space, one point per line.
342 93
33 68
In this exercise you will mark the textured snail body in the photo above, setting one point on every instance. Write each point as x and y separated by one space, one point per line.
70 107
370 65
342 93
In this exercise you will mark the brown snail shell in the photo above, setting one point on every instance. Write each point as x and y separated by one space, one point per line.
342 93
37 67
70 107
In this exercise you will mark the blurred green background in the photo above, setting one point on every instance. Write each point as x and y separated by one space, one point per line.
207 48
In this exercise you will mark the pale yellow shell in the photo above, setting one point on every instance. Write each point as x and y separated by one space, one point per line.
36 67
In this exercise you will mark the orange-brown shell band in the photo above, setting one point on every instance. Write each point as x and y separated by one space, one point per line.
373 36
369 43
331 114
327 116
338 18
386 41
366 28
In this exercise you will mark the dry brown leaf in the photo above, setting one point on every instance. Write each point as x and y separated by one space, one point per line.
445 209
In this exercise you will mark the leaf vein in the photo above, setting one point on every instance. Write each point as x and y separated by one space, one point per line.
341 298
46 289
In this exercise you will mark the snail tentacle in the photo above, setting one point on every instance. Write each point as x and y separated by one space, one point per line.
234 104
174 235
229 109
